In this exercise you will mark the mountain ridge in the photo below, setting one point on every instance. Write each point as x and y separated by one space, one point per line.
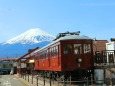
20 44
32 36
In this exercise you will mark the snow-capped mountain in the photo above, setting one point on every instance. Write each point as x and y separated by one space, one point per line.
20 45
31 36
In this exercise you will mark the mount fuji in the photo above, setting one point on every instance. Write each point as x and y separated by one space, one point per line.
20 45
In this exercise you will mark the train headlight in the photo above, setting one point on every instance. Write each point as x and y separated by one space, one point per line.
79 60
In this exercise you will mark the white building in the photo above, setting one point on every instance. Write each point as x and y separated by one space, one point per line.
110 51
110 46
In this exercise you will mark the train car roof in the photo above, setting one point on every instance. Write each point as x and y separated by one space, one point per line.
74 37
71 37
67 37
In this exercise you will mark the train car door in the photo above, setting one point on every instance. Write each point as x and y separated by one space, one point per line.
88 59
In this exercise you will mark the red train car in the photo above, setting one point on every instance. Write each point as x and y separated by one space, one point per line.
69 54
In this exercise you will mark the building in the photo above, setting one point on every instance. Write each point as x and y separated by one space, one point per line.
110 50
25 64
99 45
6 65
111 45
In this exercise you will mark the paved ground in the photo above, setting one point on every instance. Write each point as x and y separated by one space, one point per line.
10 80
40 82
24 81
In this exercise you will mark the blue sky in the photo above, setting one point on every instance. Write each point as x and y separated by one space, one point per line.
94 18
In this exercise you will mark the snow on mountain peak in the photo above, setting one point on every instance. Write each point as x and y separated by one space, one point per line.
31 36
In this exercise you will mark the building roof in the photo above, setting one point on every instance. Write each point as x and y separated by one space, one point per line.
8 59
27 56
112 39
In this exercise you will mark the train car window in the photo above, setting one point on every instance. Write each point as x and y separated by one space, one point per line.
52 51
41 55
36 56
67 49
46 53
87 48
77 49
56 50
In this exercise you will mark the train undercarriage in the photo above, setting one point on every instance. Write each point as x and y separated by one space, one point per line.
76 75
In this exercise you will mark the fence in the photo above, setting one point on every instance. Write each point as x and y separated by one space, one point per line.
39 80
106 57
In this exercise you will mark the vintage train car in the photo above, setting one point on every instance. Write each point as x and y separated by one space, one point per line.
69 54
